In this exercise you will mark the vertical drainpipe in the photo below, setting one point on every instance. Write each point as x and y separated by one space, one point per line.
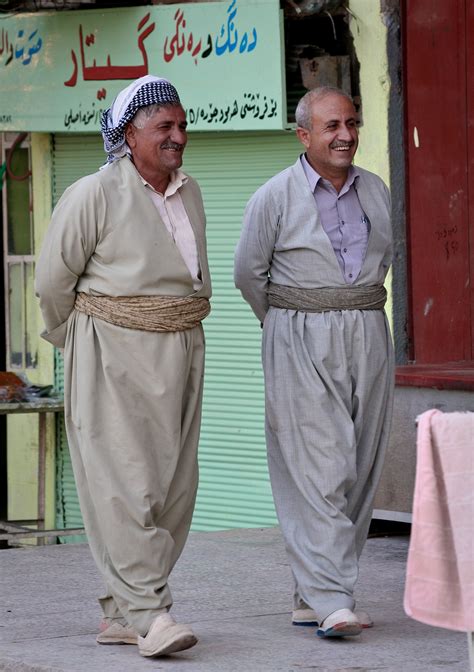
391 16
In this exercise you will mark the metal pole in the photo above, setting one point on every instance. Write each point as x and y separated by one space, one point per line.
41 472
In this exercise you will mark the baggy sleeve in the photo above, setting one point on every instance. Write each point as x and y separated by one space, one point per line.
69 243
254 252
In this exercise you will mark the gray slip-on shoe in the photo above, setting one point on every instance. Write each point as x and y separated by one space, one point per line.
166 636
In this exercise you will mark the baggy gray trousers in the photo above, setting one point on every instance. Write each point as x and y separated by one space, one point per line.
329 380
133 413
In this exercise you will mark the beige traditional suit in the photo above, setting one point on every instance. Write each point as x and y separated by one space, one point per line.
132 398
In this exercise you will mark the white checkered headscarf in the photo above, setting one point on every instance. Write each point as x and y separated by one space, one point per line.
148 90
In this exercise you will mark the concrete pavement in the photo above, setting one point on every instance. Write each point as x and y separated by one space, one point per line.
234 587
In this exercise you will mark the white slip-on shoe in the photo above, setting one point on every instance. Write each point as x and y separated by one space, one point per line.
116 633
306 616
341 623
364 619
166 636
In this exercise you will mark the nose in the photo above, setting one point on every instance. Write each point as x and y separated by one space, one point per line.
346 133
179 135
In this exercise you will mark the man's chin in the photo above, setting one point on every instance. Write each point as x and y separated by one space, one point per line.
343 161
174 164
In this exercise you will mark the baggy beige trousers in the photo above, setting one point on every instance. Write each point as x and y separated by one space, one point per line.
133 413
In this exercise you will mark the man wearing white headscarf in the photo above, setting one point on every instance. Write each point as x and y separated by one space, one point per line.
124 283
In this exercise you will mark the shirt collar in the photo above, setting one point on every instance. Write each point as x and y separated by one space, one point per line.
177 179
313 176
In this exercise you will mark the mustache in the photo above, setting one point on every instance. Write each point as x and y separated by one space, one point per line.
171 145
338 143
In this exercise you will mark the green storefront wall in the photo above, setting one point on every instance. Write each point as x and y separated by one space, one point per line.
234 489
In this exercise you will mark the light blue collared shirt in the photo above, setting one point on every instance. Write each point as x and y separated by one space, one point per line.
342 218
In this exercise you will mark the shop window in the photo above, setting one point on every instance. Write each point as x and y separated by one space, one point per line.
18 236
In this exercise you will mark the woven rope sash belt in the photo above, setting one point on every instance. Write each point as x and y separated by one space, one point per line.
146 313
325 299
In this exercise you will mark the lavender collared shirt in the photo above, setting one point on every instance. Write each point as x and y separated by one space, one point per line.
342 218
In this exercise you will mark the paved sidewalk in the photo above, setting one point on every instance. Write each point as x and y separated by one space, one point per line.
235 589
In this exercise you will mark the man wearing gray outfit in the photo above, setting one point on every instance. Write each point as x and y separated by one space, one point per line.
315 249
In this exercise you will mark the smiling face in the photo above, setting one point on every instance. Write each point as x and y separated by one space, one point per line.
157 148
332 140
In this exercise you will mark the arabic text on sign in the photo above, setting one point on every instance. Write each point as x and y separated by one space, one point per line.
83 117
226 41
253 106
26 46
96 72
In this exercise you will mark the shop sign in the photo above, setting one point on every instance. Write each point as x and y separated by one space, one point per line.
60 70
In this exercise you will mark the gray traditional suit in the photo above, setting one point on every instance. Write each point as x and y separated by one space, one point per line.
328 382
132 398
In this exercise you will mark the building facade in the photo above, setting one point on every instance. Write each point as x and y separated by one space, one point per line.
240 67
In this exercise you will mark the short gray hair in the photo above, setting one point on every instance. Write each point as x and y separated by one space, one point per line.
145 113
303 113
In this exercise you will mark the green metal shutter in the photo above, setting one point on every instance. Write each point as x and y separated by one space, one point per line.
68 513
234 490
73 157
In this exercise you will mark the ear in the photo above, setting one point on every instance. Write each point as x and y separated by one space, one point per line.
303 136
130 136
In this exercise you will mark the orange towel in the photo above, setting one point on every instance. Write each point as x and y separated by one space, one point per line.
439 588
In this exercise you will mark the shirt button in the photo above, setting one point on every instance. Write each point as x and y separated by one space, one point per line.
342 222
350 275
345 249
